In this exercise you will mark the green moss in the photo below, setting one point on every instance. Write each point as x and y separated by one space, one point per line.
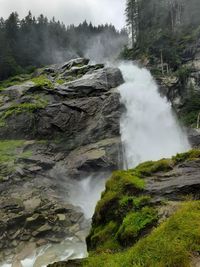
8 150
107 205
8 154
190 155
125 203
151 167
60 81
22 108
42 81
16 80
134 202
169 245
135 223
105 236
125 180
119 199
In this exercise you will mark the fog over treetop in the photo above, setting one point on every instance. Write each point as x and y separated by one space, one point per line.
70 11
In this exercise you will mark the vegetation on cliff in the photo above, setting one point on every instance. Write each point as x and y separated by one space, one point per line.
127 230
171 244
10 151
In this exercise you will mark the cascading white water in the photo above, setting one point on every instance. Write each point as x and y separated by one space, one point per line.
149 129
87 192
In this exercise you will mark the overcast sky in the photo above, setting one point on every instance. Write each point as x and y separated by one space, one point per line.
69 11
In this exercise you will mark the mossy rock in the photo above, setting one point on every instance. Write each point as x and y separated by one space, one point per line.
125 206
171 244
136 223
10 151
15 109
42 81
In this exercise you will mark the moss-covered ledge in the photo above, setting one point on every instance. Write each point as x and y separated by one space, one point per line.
173 243
129 228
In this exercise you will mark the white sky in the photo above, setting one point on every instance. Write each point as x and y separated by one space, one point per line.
69 11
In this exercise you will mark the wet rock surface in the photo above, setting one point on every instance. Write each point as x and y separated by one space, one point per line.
68 118
181 181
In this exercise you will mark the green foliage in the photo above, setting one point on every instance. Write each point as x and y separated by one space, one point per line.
135 203
134 223
8 150
60 81
120 198
170 244
162 27
121 181
8 154
125 203
150 167
190 155
14 81
22 108
106 205
105 236
42 81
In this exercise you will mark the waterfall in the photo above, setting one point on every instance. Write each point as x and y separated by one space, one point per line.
149 129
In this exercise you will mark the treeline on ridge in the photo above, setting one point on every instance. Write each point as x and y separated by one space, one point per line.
33 42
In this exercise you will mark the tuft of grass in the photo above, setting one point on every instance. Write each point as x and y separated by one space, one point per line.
16 80
9 154
169 245
119 199
8 150
121 181
42 81
134 202
135 223
60 81
190 155
151 167
21 108
105 235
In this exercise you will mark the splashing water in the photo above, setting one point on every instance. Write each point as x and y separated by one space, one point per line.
149 129
87 192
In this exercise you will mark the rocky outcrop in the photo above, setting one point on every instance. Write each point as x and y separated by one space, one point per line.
85 106
67 117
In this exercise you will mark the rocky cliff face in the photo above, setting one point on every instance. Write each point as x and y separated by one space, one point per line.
66 122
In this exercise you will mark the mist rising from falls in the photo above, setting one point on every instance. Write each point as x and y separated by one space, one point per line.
149 129
86 193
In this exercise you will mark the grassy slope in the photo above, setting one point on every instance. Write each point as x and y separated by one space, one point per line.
169 245
125 215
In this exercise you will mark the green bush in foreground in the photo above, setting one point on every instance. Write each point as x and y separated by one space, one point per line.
170 245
